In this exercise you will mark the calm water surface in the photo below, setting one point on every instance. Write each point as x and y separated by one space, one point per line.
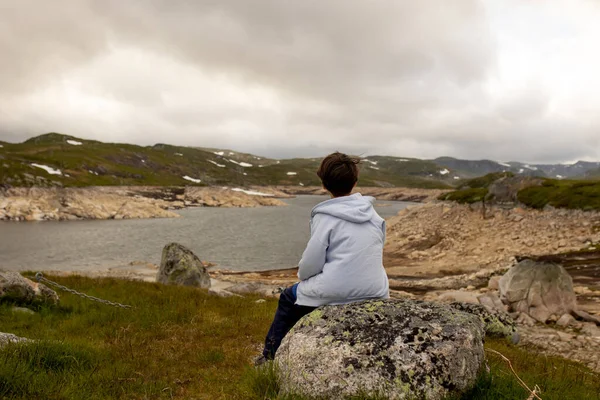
236 238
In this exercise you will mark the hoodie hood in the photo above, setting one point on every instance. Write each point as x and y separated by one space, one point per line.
356 208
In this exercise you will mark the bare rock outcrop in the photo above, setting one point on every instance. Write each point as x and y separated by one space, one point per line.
228 197
39 204
180 266
397 349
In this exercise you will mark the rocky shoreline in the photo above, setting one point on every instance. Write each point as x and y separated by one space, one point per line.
124 202
106 202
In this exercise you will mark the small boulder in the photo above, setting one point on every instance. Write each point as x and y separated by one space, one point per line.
254 287
7 338
397 349
180 266
538 289
566 320
19 290
492 302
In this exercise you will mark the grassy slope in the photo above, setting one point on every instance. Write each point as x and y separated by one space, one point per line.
573 194
583 195
165 165
183 343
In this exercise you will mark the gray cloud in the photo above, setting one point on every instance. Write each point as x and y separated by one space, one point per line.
286 78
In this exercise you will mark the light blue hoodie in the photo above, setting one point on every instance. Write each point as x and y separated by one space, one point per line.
343 261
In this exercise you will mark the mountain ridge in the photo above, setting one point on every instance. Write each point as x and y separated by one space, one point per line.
55 159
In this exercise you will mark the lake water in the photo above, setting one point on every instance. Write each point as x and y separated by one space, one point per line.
234 238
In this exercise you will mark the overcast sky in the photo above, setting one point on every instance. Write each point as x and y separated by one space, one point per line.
499 79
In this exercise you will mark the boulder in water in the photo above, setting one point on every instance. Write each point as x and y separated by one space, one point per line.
538 289
397 349
180 266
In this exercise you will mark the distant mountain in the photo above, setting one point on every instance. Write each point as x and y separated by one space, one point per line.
56 159
471 169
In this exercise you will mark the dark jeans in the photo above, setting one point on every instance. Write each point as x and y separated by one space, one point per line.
286 316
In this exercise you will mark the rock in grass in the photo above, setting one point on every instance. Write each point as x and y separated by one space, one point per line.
6 338
19 290
538 289
397 349
180 266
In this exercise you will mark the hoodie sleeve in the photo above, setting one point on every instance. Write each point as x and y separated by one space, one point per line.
314 256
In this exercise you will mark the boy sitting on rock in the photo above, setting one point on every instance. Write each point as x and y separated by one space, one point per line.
343 261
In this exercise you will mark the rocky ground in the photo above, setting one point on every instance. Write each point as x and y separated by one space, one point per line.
39 204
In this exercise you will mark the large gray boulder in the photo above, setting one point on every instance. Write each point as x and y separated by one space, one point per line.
397 349
540 290
180 266
15 288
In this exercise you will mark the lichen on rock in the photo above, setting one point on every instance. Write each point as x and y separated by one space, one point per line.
496 323
399 349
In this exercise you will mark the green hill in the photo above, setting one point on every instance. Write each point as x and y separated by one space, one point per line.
61 160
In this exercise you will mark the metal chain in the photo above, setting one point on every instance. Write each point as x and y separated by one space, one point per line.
40 278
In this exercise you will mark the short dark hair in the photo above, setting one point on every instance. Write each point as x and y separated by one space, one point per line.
339 173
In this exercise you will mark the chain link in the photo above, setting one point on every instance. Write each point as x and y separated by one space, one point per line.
40 278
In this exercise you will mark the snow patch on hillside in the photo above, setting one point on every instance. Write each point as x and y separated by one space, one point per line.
504 164
74 143
179 154
444 172
241 164
188 178
374 168
48 169
219 153
292 173
216 163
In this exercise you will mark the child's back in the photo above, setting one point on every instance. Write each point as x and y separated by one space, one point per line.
343 260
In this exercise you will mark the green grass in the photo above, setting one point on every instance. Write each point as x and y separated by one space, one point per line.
177 342
183 343
571 194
